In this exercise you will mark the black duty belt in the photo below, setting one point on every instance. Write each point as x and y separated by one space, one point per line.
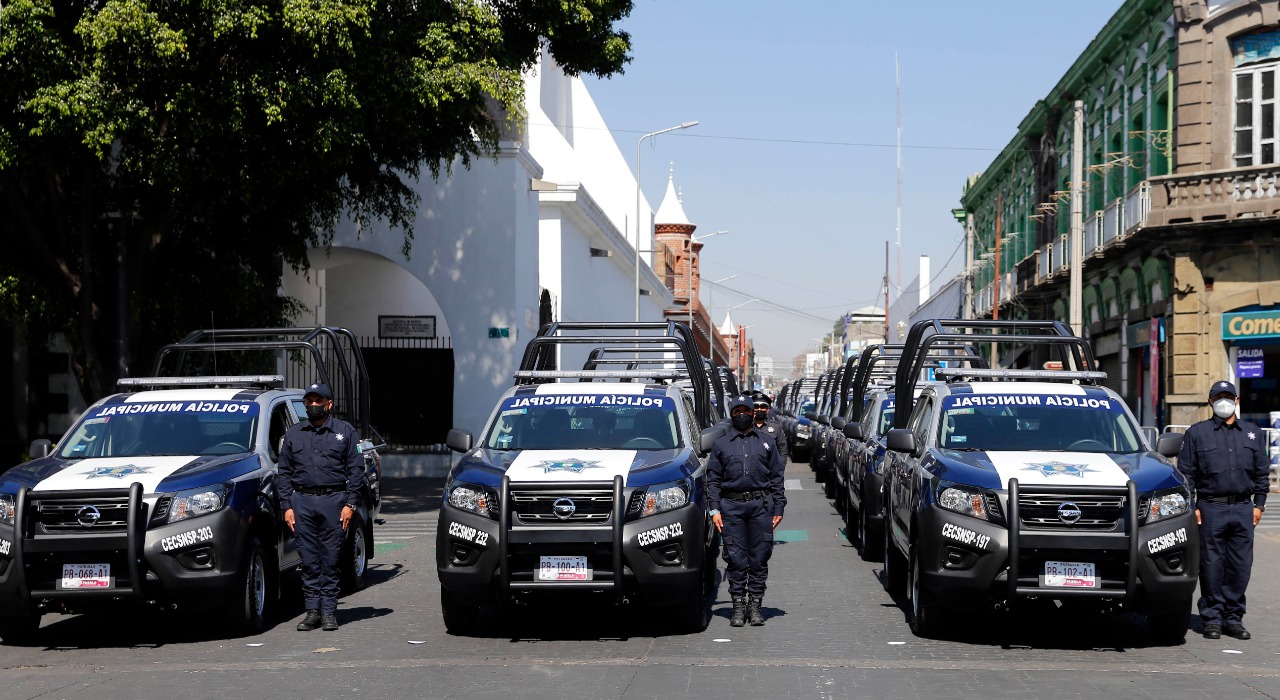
1227 499
744 495
320 490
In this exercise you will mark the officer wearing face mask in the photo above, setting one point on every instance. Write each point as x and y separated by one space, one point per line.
745 492
771 428
1225 461
320 472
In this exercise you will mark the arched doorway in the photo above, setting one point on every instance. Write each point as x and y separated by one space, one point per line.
403 334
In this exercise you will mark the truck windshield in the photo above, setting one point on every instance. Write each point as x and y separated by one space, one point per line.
1036 422
153 428
585 422
886 417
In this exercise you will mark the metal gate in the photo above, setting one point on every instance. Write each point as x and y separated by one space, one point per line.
411 386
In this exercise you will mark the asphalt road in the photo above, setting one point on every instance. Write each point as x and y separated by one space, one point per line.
832 633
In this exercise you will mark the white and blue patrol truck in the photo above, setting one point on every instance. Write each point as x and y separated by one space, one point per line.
586 483
163 495
1010 485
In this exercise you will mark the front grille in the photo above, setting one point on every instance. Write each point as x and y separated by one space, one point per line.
161 510
994 514
1100 513
537 507
54 516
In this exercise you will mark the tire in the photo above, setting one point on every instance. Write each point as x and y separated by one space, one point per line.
1169 626
353 562
19 630
693 615
895 575
250 601
872 546
460 619
829 487
927 615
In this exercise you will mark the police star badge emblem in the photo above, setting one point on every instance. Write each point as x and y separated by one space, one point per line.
117 472
1059 469
574 466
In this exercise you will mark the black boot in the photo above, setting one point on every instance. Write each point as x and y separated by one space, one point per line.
310 622
739 611
753 609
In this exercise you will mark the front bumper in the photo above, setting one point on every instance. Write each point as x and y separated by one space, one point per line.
659 560
193 562
965 561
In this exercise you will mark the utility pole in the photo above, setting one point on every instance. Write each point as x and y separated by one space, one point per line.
995 290
1076 294
886 291
968 265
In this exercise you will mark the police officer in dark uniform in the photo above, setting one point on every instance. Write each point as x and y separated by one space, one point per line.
745 492
319 484
1225 460
772 428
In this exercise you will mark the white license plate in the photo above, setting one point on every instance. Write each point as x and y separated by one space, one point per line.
1070 574
563 569
86 576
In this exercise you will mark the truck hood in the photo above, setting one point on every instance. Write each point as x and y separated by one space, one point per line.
157 474
636 467
993 469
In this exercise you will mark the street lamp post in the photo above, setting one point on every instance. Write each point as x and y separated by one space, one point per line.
651 134
711 314
689 266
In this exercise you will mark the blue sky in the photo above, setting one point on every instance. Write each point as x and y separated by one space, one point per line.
794 151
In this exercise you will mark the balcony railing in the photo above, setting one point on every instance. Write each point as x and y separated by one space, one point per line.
1215 196
1111 215
1137 208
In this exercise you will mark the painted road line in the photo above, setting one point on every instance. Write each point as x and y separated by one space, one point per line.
791 536
793 485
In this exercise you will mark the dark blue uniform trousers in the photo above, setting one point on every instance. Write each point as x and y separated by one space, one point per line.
748 544
1226 558
318 528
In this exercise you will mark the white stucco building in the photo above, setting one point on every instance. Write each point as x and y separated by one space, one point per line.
550 219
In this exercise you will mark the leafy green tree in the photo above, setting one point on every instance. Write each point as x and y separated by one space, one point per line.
160 162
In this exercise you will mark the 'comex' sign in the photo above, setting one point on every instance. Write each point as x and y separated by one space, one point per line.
1251 324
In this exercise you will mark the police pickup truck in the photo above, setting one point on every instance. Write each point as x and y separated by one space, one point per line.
591 486
1008 485
164 495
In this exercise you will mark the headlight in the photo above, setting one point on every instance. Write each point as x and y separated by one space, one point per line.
963 500
6 508
196 502
1167 505
803 431
661 498
473 499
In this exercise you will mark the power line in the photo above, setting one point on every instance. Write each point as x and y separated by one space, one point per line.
942 270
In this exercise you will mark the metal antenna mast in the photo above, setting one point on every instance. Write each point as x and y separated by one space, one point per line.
897 78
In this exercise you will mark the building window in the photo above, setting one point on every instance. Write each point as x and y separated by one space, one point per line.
1255 115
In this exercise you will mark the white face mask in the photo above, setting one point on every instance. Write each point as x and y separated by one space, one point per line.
1224 408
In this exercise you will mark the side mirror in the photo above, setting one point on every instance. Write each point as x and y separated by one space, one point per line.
901 440
1169 444
458 440
853 431
40 448
707 438
811 415
838 423
825 420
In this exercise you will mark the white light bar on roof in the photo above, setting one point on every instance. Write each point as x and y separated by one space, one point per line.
1042 374
599 374
272 380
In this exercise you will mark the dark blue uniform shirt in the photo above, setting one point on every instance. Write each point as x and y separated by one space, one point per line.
320 456
773 429
1226 460
747 461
